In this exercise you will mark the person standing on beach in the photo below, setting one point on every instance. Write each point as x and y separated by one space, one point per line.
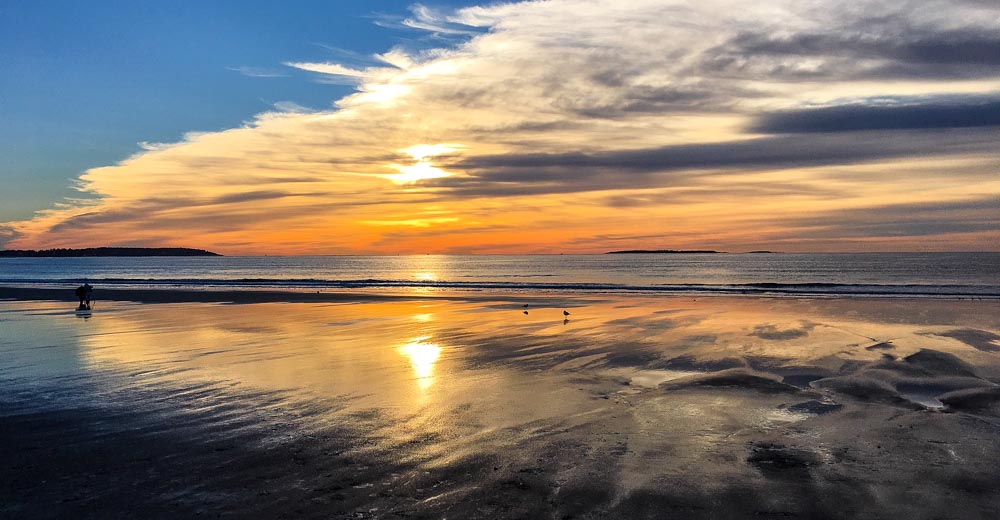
88 294
79 294
85 293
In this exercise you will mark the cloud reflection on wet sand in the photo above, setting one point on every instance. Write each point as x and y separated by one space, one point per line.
472 409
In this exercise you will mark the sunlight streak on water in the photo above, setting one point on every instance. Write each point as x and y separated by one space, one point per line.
422 355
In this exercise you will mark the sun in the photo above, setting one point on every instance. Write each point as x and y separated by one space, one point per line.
423 168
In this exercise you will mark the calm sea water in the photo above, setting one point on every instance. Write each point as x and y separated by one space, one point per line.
919 274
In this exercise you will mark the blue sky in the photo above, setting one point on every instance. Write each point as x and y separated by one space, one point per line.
84 82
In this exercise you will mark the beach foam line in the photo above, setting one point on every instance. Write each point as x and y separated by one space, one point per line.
761 288
197 296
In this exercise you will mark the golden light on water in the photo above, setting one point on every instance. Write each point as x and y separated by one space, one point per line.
425 268
423 355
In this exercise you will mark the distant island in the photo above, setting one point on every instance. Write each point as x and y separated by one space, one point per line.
663 252
106 251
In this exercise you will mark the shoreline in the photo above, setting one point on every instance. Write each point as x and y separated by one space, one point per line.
208 296
261 295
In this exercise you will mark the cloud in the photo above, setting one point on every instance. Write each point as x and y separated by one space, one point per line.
868 40
424 18
523 173
257 72
396 58
333 69
862 54
330 69
932 114
905 220
7 234
427 19
290 106
567 125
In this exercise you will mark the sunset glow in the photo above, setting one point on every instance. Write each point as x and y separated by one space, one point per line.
545 127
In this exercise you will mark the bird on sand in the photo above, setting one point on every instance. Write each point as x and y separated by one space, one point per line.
565 313
525 306
525 313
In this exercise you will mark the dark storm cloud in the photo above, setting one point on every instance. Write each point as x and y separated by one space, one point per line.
953 47
734 189
7 234
903 220
153 207
986 206
860 117
957 47
96 218
222 213
535 173
877 49
626 101
250 196
898 229
784 151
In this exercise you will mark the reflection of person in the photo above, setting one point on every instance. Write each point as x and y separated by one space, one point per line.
85 293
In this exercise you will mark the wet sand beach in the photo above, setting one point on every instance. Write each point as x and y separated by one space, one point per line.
377 406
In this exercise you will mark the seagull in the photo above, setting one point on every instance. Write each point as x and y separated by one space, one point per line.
565 313
525 306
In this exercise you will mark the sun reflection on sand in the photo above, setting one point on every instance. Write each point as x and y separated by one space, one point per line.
423 355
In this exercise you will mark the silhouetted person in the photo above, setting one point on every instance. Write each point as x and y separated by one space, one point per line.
85 293
79 294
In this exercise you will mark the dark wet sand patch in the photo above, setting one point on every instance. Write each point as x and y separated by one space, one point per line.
983 399
802 380
939 363
688 363
780 461
979 339
738 379
774 332
863 388
816 407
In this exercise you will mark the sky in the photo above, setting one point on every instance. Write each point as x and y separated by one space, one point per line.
558 126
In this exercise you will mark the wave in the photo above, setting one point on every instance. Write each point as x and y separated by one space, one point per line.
818 288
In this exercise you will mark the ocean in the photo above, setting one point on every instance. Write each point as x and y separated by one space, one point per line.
905 274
